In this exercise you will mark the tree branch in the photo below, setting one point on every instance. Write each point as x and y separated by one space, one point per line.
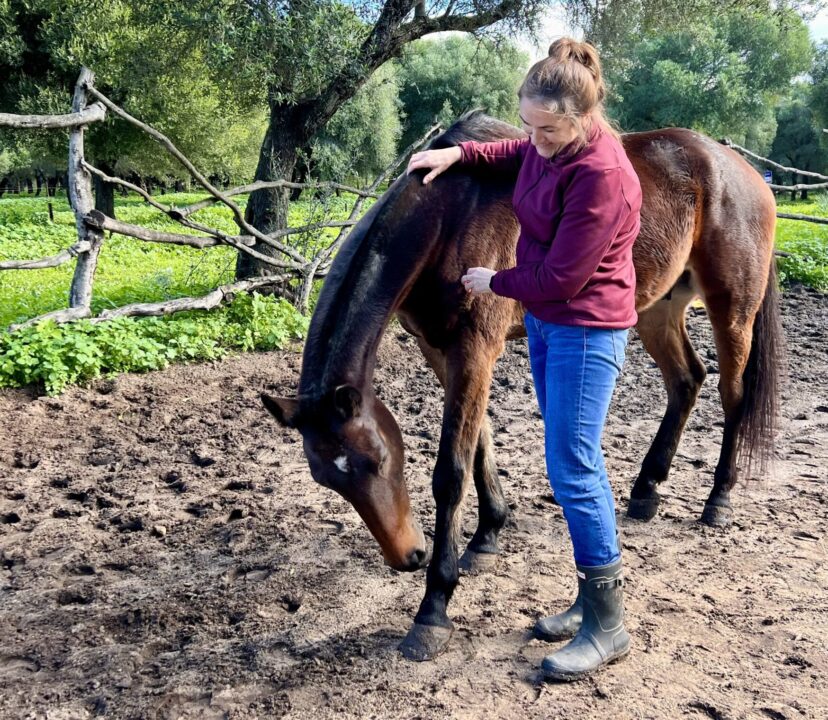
58 316
63 256
805 218
205 302
203 181
80 195
103 222
91 114
171 212
771 163
176 213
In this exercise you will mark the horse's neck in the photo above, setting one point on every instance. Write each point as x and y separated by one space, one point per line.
360 295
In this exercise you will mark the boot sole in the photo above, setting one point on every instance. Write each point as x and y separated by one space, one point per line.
569 677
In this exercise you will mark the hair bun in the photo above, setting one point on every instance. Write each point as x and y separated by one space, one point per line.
567 48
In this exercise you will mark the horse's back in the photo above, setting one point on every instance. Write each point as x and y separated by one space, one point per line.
704 206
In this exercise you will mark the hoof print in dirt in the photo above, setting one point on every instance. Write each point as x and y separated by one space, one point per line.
643 508
25 461
425 642
83 595
127 523
174 481
202 458
99 459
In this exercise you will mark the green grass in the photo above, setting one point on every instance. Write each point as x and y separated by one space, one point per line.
806 242
132 271
129 270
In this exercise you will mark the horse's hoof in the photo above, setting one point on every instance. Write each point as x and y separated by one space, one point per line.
474 563
425 642
717 515
643 508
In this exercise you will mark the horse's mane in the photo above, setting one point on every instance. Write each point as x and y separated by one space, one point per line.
336 300
475 125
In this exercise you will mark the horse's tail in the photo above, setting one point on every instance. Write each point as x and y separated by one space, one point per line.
761 380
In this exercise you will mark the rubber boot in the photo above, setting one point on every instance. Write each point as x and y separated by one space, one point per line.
601 638
564 625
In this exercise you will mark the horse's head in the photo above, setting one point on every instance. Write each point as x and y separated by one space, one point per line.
354 446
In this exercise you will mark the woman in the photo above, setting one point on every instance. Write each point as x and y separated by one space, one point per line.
578 199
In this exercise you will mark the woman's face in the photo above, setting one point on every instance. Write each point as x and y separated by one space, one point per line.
549 132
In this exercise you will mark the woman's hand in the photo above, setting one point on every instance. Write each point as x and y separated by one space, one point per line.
437 160
478 280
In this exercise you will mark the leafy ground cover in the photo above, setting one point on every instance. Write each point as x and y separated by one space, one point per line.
807 243
133 271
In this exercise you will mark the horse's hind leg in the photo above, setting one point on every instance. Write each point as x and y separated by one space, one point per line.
732 321
664 335
492 510
468 378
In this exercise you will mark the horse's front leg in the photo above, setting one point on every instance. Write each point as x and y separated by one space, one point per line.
469 374
492 511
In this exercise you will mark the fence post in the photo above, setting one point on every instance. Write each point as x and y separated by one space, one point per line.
81 199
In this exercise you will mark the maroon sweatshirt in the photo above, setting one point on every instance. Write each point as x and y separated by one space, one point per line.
579 215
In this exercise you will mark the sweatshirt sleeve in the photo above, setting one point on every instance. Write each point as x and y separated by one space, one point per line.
499 155
594 210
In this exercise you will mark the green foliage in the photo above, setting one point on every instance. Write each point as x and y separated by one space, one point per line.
54 356
443 78
147 60
807 244
361 138
819 77
798 139
716 75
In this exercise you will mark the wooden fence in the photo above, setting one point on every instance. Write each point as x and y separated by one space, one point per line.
89 105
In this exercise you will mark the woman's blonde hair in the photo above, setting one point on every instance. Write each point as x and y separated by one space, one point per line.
570 83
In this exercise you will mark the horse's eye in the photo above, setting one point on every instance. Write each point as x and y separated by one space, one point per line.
342 464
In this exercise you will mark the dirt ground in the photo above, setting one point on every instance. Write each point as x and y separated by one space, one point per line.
165 554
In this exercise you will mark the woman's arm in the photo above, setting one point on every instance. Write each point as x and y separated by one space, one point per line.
594 210
503 155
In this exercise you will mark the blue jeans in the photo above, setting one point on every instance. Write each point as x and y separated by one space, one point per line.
575 369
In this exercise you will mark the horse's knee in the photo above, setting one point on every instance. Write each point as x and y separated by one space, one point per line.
448 480
684 390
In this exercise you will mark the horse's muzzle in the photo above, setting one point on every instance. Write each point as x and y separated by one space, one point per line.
415 560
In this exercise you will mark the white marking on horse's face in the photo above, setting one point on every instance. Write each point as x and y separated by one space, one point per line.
342 464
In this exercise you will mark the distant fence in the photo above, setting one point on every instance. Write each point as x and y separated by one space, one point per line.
787 188
288 262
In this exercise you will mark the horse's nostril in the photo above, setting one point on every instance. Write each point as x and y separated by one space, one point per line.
418 558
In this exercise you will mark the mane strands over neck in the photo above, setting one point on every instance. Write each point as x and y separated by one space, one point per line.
365 281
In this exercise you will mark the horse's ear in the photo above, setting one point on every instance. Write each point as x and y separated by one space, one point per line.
347 401
285 410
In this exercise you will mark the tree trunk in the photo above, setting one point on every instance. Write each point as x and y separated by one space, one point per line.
105 192
267 210
39 183
29 186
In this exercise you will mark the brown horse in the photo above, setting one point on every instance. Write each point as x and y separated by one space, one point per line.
707 231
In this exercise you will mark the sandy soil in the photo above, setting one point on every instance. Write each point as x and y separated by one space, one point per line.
165 554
